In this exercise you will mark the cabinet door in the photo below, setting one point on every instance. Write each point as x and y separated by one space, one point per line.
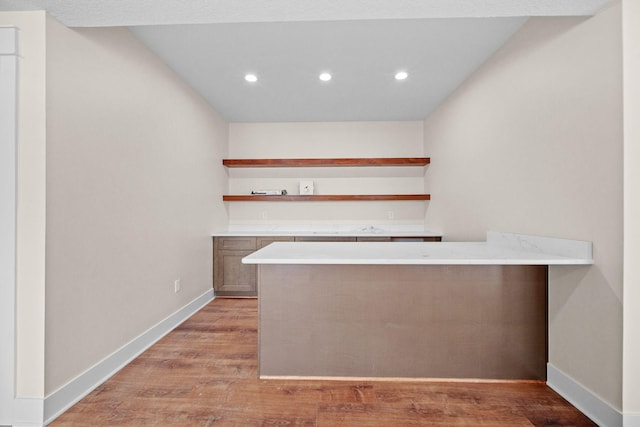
232 277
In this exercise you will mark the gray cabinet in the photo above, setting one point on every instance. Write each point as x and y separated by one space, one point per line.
232 278
230 275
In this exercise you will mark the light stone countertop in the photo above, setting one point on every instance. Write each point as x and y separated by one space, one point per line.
499 249
329 231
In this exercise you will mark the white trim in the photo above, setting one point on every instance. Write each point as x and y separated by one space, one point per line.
8 124
66 396
631 420
229 11
601 412
8 40
28 412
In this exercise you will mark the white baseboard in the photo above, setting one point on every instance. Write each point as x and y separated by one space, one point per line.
601 412
631 420
28 412
66 396
31 412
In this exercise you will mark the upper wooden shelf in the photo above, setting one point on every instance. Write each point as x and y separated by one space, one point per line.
373 161
324 198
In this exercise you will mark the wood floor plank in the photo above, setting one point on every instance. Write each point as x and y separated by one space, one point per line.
351 414
204 373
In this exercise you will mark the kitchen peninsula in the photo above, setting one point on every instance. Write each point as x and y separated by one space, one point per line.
408 309
234 279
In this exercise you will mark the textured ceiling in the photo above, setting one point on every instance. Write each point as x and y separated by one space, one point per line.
211 44
362 56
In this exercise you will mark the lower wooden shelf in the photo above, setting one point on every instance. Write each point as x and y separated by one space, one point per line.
324 198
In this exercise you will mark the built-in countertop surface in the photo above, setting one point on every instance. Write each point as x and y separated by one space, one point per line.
498 249
329 231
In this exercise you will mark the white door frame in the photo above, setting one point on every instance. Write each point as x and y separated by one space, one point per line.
8 134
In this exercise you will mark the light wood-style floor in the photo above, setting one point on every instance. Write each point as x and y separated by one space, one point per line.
204 373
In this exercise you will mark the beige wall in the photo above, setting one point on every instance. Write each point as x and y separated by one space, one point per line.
321 140
133 195
30 245
631 49
532 143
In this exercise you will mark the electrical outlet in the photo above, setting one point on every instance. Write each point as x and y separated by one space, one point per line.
390 214
263 215
177 286
306 188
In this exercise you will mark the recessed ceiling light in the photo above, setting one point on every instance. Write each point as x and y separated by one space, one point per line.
401 75
325 77
251 78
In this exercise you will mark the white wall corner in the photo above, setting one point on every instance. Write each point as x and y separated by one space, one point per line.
601 412
69 394
28 412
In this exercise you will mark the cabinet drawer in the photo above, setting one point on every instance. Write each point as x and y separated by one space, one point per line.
264 241
374 239
324 239
417 239
236 243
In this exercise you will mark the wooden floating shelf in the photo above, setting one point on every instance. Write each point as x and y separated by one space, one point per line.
374 161
325 198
